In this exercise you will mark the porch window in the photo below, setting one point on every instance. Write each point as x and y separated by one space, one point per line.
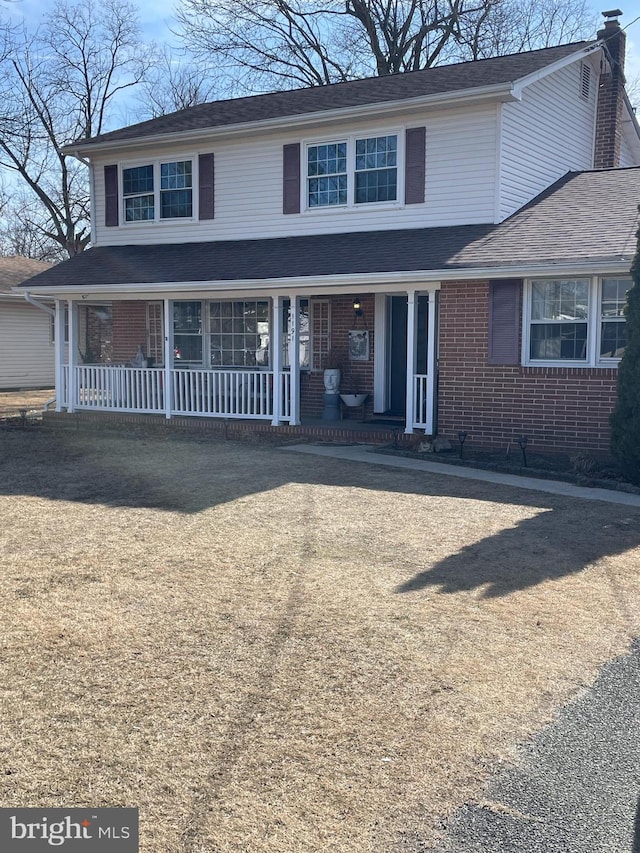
155 332
313 330
575 321
239 333
187 332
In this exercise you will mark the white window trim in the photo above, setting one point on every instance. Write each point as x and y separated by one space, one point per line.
155 162
594 325
350 139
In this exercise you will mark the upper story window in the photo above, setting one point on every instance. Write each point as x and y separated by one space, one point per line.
160 190
353 171
574 321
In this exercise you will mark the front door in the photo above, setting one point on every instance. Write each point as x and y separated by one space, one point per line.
398 349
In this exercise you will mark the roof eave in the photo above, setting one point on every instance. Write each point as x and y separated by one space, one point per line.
370 281
494 92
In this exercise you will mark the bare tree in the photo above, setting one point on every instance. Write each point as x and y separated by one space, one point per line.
59 84
269 44
175 82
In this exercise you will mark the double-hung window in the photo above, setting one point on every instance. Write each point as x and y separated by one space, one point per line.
576 321
159 190
353 171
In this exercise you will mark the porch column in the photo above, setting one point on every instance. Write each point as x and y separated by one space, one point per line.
58 332
432 336
294 360
412 310
277 304
73 350
168 357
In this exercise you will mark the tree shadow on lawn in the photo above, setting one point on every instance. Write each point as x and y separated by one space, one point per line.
187 476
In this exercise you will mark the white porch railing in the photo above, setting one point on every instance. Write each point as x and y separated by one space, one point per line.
212 393
421 401
223 393
114 388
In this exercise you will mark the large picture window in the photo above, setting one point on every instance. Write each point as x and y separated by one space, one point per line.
353 171
160 190
239 334
575 321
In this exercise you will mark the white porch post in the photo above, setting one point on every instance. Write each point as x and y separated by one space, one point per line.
73 350
294 359
412 310
432 338
277 303
168 357
58 331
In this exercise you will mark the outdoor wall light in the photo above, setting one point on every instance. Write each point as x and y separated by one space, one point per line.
357 307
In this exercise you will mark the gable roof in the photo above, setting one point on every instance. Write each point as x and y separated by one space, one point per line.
439 80
583 220
16 269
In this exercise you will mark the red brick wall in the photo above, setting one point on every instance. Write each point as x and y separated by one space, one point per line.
355 374
559 409
129 330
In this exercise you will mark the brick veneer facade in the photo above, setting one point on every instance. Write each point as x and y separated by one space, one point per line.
559 409
129 330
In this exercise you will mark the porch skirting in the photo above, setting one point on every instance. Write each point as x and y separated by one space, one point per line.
345 431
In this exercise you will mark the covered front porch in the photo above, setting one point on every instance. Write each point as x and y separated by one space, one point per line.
250 356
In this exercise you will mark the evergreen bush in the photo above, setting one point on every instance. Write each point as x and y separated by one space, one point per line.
625 419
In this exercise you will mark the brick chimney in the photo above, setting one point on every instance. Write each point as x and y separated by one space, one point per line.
610 94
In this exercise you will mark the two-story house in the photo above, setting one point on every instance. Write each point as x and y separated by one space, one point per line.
460 237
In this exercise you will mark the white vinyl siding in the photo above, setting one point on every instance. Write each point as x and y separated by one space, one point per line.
26 349
460 181
545 135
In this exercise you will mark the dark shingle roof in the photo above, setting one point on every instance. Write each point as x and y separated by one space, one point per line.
442 79
584 217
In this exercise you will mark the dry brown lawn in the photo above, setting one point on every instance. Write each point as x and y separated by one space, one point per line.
11 402
270 652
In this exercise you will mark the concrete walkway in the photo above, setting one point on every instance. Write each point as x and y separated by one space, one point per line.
362 453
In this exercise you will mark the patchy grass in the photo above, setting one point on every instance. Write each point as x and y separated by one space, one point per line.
11 402
267 652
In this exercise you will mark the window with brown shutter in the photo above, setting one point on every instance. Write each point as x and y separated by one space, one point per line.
504 321
111 201
291 178
414 171
205 186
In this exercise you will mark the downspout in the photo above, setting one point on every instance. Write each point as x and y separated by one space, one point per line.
50 311
30 299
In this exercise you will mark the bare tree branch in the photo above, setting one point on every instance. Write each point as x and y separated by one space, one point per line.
58 84
268 44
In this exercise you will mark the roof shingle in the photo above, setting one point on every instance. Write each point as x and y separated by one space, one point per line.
584 217
441 79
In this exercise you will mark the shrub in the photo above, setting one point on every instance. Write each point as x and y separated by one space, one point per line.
625 419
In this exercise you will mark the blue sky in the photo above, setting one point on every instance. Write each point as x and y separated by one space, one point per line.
156 17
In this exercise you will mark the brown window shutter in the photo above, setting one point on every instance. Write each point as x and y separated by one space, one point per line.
205 186
504 321
291 178
111 200
414 168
